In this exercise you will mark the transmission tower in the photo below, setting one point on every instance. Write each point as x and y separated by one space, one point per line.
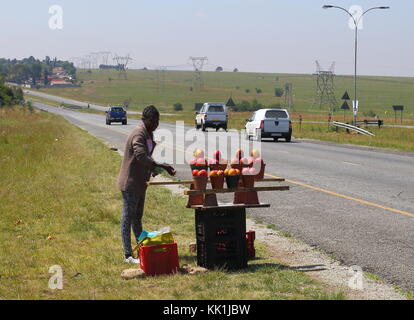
325 89
121 65
288 96
86 62
198 64
95 59
104 57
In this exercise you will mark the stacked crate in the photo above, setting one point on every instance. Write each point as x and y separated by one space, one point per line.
221 238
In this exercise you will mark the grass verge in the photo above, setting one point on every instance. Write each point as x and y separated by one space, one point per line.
58 183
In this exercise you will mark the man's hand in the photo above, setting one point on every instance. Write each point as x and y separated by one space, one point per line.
171 171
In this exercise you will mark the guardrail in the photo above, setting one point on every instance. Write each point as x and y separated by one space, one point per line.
353 128
367 123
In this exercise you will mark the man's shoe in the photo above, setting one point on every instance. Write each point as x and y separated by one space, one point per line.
132 260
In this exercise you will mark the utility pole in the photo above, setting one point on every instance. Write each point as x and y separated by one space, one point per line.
356 21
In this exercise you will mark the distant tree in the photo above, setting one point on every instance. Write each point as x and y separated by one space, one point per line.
275 106
258 90
48 61
278 92
9 96
46 73
178 107
236 70
256 105
219 69
247 90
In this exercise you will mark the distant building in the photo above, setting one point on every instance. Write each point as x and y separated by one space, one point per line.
59 82
58 70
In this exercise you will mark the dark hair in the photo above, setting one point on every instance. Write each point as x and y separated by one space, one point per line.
150 112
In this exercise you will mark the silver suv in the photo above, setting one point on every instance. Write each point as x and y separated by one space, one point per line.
212 115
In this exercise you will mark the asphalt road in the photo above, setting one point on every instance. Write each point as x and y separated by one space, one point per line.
352 202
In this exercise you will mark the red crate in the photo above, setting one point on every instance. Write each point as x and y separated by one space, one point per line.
250 237
161 259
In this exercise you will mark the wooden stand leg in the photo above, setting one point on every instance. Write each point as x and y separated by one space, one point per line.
239 197
252 198
210 200
195 199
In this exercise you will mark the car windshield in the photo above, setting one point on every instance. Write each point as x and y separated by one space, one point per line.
117 109
215 109
280 114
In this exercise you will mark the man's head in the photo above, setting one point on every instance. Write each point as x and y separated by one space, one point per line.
151 118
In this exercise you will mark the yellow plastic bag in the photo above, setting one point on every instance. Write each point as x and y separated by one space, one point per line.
163 238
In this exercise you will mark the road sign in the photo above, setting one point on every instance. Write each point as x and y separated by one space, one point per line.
398 108
345 106
355 106
346 96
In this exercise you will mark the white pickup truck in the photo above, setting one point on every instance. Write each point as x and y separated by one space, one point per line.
212 115
269 123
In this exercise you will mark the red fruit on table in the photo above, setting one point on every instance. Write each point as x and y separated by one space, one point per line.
198 153
217 155
255 153
258 162
213 173
195 172
202 173
246 172
244 161
201 162
252 171
239 153
223 161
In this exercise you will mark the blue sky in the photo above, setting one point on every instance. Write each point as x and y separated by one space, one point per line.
252 35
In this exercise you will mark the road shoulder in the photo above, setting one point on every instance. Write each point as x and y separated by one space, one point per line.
300 256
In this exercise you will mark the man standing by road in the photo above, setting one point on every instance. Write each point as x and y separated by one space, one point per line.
136 170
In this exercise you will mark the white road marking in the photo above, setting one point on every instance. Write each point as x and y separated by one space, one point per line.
351 163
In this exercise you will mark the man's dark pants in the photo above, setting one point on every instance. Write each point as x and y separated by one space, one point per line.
133 208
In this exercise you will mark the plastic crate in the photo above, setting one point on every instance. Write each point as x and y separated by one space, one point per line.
226 254
250 237
221 238
216 225
160 259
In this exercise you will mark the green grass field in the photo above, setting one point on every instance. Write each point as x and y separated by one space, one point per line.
60 206
376 94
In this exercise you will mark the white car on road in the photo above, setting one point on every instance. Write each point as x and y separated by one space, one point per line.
269 123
